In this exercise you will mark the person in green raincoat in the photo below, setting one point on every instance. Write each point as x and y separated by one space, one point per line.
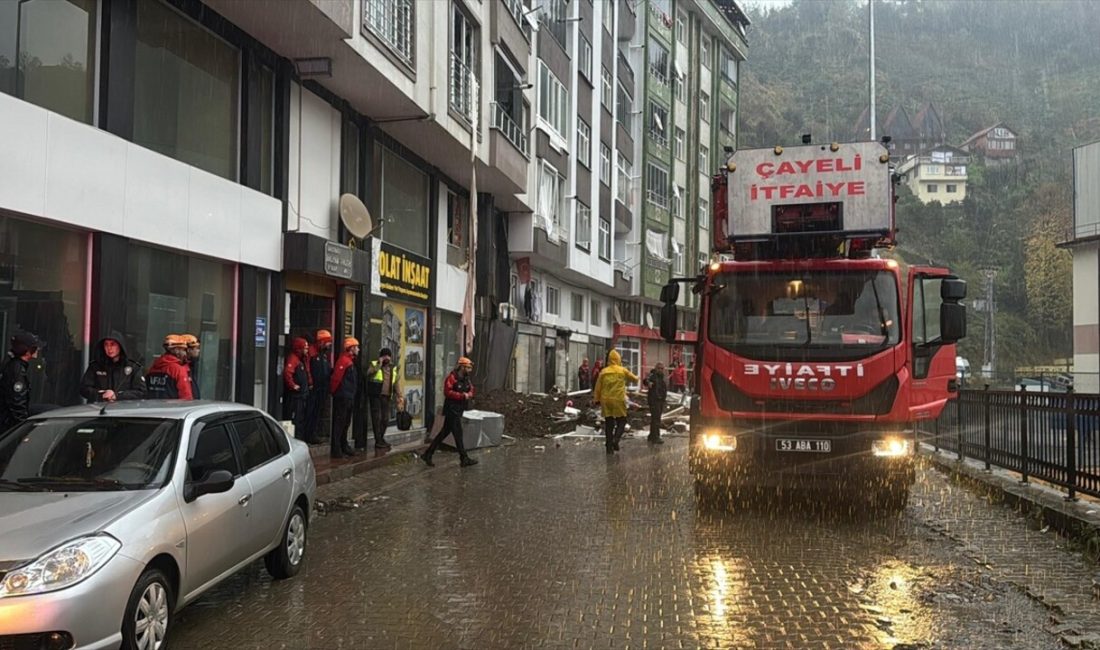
610 394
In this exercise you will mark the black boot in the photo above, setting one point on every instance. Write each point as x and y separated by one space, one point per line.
467 461
380 443
427 458
349 452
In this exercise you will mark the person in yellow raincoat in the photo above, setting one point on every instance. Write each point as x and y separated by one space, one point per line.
610 394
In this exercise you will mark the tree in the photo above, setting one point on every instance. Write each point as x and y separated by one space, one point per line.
1048 271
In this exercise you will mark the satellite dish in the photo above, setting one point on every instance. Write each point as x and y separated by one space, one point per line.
649 320
355 216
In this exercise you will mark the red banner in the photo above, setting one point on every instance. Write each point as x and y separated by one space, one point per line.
523 269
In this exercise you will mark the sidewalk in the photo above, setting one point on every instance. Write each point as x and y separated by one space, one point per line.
329 470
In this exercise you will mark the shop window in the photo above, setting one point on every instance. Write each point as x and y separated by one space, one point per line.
458 229
185 91
42 281
171 293
577 307
404 203
55 64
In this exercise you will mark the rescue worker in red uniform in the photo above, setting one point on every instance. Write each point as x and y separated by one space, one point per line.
343 386
320 369
458 390
170 377
296 385
193 351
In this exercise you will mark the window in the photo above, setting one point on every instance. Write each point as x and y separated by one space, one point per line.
703 217
701 260
463 57
608 16
622 108
678 88
605 164
933 188
551 200
658 62
657 187
678 261
553 306
595 312
704 51
458 228
678 196
631 351
186 84
55 65
392 22
623 168
680 144
213 452
584 58
728 66
727 119
257 446
577 307
553 16
681 27
704 159
951 189
605 238
553 101
658 123
584 227
605 89
584 143
404 202
704 107
510 109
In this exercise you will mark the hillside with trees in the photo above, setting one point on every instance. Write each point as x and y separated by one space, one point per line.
1032 65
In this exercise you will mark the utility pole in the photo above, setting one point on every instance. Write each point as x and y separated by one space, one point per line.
871 71
989 362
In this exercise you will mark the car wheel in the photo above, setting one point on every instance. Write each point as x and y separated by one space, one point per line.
285 560
148 612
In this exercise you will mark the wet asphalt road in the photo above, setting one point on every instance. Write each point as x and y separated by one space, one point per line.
567 548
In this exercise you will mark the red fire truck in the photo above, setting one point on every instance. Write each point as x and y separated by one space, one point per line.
817 352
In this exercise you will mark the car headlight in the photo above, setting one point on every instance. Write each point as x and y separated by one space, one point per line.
62 567
719 442
892 447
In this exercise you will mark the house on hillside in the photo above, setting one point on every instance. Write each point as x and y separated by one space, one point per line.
996 144
936 174
908 136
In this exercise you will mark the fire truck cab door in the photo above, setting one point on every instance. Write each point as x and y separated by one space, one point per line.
932 360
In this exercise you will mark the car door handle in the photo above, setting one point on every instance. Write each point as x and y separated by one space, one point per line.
245 499
286 473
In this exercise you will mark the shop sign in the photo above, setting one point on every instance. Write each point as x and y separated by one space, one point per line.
339 260
402 275
261 332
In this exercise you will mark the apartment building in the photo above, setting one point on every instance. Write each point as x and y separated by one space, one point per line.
181 165
688 53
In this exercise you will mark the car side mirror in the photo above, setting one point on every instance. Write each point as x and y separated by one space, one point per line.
952 322
215 482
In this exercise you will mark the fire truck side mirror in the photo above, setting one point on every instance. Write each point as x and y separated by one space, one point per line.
952 290
668 321
952 322
670 293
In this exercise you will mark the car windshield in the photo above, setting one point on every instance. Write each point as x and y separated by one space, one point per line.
87 454
818 314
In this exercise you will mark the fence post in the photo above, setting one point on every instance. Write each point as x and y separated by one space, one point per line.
936 437
959 427
988 416
1025 451
1071 444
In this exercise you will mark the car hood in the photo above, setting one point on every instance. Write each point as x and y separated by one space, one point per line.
33 523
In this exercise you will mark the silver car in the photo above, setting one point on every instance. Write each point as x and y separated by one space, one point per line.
113 518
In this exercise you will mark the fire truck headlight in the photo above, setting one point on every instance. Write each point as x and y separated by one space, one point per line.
892 447
719 442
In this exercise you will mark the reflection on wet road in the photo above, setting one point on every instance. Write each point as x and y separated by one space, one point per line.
570 548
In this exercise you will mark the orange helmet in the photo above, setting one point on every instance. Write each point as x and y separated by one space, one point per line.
174 341
465 361
324 336
351 341
299 344
190 340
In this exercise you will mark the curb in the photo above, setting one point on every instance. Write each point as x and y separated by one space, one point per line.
1076 520
350 469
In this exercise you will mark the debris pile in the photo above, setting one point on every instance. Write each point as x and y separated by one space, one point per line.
538 415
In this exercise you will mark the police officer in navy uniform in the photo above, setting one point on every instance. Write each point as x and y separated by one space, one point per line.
15 389
112 376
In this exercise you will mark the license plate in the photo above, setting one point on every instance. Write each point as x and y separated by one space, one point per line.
815 446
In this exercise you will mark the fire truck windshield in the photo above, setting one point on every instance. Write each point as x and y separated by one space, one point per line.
812 314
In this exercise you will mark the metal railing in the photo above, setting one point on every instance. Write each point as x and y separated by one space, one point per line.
462 97
660 75
392 21
504 123
1054 437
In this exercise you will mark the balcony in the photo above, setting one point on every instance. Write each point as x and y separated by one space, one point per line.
510 28
463 92
392 22
508 153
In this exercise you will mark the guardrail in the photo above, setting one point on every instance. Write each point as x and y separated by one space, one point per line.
1054 437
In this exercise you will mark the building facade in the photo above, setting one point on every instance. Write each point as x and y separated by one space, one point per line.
938 174
1084 243
996 145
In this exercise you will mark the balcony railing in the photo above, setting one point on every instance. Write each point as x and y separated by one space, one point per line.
656 198
462 95
391 21
504 123
658 137
660 75
623 267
